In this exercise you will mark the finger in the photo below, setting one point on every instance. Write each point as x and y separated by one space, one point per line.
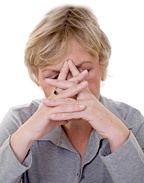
56 102
64 84
66 116
73 68
73 91
62 76
59 83
64 71
80 77
67 108
61 122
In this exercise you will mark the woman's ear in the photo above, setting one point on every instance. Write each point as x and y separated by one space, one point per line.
37 81
103 74
38 84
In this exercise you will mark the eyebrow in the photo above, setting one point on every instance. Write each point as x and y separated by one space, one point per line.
52 70
85 62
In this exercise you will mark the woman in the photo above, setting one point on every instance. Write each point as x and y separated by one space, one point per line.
75 134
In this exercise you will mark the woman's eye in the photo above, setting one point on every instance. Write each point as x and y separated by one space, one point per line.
82 69
53 76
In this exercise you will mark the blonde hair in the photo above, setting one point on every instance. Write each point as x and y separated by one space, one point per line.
49 40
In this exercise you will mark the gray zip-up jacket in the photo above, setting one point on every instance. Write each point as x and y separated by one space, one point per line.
53 159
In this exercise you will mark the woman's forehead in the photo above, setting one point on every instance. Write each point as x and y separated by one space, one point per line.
57 66
75 52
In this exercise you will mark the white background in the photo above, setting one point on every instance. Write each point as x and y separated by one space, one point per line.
121 20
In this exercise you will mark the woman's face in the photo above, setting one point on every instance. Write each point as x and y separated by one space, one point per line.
82 60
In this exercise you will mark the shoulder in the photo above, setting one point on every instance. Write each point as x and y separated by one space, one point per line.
28 107
25 111
116 106
20 113
15 117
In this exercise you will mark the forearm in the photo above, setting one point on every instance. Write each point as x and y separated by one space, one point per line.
117 133
20 144
108 126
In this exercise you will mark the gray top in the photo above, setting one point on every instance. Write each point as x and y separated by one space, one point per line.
53 159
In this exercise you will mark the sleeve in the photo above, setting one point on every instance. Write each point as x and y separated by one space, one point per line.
127 163
11 169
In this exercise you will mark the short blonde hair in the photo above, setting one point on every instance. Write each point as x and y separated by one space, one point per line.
49 40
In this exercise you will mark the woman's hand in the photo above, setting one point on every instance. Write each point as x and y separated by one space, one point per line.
100 118
40 124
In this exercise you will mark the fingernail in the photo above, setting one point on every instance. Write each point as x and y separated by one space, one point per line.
51 116
84 71
70 61
49 80
82 106
65 63
84 83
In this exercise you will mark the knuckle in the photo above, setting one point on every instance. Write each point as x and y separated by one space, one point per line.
70 100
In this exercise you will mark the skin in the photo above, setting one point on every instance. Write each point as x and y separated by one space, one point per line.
82 60
76 77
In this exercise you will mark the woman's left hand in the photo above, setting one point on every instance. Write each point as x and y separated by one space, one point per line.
101 119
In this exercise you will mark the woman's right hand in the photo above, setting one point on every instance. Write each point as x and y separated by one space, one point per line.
39 124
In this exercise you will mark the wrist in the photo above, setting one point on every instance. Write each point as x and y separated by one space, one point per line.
20 144
118 138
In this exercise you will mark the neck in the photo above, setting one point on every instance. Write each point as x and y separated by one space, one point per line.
77 126
78 132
